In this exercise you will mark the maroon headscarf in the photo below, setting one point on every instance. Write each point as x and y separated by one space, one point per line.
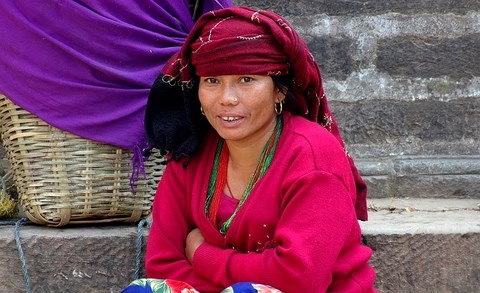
241 40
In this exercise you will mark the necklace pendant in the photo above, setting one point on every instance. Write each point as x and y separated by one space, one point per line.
223 230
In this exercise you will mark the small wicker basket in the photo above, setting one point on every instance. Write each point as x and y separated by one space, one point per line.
65 179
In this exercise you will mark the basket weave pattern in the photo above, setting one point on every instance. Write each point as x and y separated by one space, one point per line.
64 179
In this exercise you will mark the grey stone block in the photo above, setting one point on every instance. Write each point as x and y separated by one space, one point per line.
73 259
415 147
412 122
439 186
430 57
362 7
422 177
334 56
426 263
380 186
437 166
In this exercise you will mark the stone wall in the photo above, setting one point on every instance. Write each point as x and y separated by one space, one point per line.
403 78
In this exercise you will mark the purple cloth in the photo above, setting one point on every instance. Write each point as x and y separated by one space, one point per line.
86 67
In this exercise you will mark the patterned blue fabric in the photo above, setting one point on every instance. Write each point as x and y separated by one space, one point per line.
172 286
247 287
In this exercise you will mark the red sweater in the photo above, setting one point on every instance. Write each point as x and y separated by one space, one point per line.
297 231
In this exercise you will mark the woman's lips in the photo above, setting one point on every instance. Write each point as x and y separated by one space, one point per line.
230 120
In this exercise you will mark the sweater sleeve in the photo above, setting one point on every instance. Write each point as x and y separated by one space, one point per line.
171 222
315 225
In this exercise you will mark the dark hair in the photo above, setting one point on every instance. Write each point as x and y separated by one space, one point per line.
285 83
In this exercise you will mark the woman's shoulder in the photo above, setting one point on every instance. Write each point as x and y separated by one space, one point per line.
310 134
312 145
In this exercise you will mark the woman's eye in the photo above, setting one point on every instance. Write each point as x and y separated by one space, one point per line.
247 79
210 80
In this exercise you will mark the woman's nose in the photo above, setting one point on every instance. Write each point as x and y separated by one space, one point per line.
229 96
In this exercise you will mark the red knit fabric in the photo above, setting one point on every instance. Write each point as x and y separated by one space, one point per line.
241 40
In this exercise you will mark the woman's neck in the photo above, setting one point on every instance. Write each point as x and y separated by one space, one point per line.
244 157
242 163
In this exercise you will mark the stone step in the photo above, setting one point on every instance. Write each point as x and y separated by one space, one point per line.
425 245
420 245
422 176
97 258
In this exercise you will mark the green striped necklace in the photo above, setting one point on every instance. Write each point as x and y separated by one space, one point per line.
218 177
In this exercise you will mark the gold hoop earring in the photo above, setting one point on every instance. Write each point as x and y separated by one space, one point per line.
278 108
201 110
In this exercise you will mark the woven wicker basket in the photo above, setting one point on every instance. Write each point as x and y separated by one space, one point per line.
65 179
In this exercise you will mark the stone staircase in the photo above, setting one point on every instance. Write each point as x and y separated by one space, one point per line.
403 79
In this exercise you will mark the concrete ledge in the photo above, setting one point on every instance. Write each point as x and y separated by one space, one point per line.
425 245
420 245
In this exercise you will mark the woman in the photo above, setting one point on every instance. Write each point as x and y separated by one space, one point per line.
261 193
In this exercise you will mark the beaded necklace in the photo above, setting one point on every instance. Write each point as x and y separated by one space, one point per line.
218 177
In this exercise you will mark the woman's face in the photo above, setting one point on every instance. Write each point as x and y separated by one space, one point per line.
240 107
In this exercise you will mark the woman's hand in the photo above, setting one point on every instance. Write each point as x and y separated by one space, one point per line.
194 240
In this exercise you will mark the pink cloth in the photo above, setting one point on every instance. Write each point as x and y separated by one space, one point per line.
226 209
297 231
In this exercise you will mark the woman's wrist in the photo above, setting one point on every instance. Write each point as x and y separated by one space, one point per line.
193 241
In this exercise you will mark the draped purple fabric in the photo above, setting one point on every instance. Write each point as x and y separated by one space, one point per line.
87 66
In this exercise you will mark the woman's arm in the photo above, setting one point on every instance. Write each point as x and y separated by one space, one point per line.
316 224
171 223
